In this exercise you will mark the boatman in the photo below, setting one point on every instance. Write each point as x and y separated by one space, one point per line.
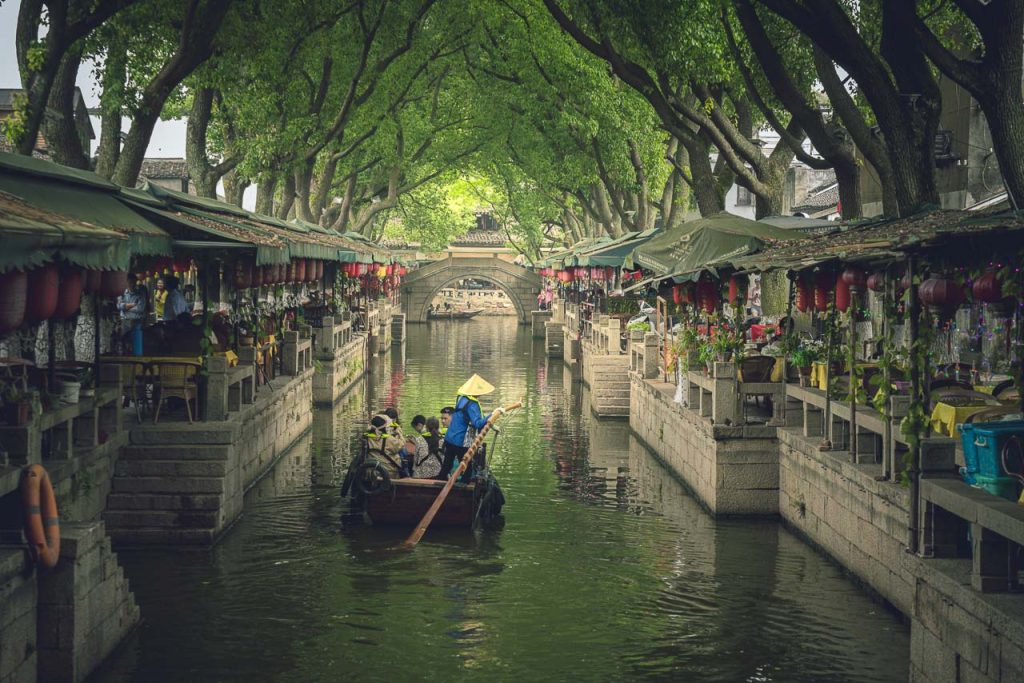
467 419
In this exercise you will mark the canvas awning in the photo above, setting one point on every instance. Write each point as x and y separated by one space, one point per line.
703 243
97 230
614 253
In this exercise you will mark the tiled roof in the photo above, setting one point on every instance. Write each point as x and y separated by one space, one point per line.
163 168
821 197
480 238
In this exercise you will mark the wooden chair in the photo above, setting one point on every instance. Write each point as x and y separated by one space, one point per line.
176 379
757 368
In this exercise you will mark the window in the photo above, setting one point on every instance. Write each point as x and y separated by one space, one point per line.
743 196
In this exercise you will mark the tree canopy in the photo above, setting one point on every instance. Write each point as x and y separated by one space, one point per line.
561 118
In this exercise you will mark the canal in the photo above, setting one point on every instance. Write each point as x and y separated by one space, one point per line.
605 568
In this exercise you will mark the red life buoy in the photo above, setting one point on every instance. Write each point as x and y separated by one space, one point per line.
42 525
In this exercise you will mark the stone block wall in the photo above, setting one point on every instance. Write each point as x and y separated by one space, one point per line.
958 634
85 606
333 378
181 483
732 470
840 508
608 379
18 618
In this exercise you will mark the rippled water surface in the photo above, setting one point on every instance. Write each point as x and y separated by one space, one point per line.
605 568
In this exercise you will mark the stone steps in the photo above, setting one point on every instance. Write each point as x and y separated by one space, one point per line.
159 501
177 519
195 452
171 468
190 485
184 434
162 536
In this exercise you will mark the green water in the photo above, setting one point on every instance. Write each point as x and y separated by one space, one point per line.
605 569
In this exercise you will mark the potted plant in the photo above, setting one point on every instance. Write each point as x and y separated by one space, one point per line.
803 356
728 344
706 355
87 379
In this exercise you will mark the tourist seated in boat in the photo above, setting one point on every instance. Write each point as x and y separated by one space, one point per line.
382 445
427 463
396 427
446 420
467 419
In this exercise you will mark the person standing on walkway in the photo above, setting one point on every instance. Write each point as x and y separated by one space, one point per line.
176 309
159 299
467 419
132 307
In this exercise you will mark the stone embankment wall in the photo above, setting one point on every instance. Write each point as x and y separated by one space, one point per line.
732 470
182 483
839 507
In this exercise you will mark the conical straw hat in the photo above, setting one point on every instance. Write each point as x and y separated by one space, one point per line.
475 386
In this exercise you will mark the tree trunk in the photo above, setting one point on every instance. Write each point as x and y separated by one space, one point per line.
265 189
234 187
850 200
323 187
62 138
114 77
303 191
36 84
287 197
706 190
196 158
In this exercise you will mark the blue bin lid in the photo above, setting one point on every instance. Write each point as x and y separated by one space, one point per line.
994 428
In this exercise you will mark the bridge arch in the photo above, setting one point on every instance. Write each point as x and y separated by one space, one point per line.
421 286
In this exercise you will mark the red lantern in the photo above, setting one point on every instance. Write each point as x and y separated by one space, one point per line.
402 271
707 295
390 268
300 270
597 273
941 295
988 289
905 282
823 284
876 281
843 296
43 283
804 295
310 271
113 283
737 285
855 278
93 280
69 296
677 295
319 270
182 264
13 290
243 274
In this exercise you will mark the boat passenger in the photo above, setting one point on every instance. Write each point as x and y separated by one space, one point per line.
382 445
446 420
466 420
428 460
396 428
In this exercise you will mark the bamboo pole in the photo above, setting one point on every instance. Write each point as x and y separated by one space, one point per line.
421 527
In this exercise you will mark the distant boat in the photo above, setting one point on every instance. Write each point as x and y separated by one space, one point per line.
453 315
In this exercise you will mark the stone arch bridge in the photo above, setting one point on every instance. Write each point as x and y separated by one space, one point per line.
421 285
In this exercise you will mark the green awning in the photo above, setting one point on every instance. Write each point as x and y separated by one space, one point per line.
84 197
700 244
615 252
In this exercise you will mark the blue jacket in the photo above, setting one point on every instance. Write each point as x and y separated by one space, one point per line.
467 414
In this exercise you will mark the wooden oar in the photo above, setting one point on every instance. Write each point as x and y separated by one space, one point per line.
421 527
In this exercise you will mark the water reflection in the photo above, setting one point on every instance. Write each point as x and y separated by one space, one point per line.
605 569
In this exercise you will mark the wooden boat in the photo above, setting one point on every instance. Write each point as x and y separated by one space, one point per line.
404 501
408 499
453 315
